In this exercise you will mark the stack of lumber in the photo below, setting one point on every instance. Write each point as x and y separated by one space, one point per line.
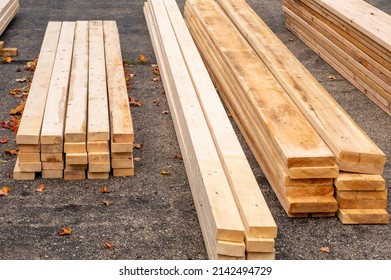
234 218
352 36
8 9
297 163
65 128
355 152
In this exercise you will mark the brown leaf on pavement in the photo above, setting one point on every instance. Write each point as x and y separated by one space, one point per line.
11 152
18 109
3 140
40 188
5 190
108 245
325 250
105 190
65 231
107 202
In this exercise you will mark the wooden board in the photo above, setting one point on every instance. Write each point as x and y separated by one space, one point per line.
51 148
206 175
121 123
74 174
8 10
120 172
296 149
76 115
52 173
344 137
75 147
54 117
98 114
19 175
31 122
363 216
30 166
233 249
52 165
29 157
255 213
260 244
359 182
98 175
76 158
29 148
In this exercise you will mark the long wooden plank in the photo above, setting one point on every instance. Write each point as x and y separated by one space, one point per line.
366 18
269 164
8 10
76 118
31 122
349 64
359 182
282 123
255 213
358 166
120 117
98 127
202 212
55 110
346 139
363 216
214 189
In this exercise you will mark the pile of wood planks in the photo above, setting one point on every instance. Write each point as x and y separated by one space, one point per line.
8 10
352 36
270 93
77 106
234 218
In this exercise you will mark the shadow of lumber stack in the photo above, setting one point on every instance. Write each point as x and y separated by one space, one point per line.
8 10
352 37
234 218
65 129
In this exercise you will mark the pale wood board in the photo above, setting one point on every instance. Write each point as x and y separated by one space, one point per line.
52 173
359 182
121 172
76 158
233 249
31 122
335 126
52 165
54 117
98 175
120 118
75 147
30 166
260 244
98 157
19 175
29 148
76 115
52 157
29 157
51 148
363 216
214 188
74 174
98 127
255 213
8 11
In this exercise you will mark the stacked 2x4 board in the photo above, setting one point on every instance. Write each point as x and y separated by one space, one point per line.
352 36
77 106
8 10
234 218
253 69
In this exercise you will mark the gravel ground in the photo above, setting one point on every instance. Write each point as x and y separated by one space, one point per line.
153 216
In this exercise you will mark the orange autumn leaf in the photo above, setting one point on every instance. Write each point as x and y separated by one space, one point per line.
325 250
5 190
7 59
156 71
11 152
135 102
137 146
65 231
178 156
31 65
108 245
166 173
3 140
142 58
40 188
105 190
18 109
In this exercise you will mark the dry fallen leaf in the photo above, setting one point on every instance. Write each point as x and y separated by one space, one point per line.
5 190
156 102
3 140
331 77
156 79
142 58
105 190
40 188
65 231
325 250
137 159
154 65
12 152
7 59
163 172
107 203
178 156
108 245
135 102
31 65
156 71
165 112
18 109
138 146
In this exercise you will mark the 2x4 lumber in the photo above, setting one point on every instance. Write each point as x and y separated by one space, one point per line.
349 65
234 249
29 148
98 175
120 163
31 122
8 10
121 147
98 127
120 118
120 172
74 174
99 157
30 166
52 173
357 51
261 256
361 195
363 216
75 147
359 182
372 48
52 165
29 157
8 52
210 187
52 157
255 213
270 165
51 148
260 244
366 18
98 146
19 175
76 116
360 167
54 117
350 144
76 158
283 125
